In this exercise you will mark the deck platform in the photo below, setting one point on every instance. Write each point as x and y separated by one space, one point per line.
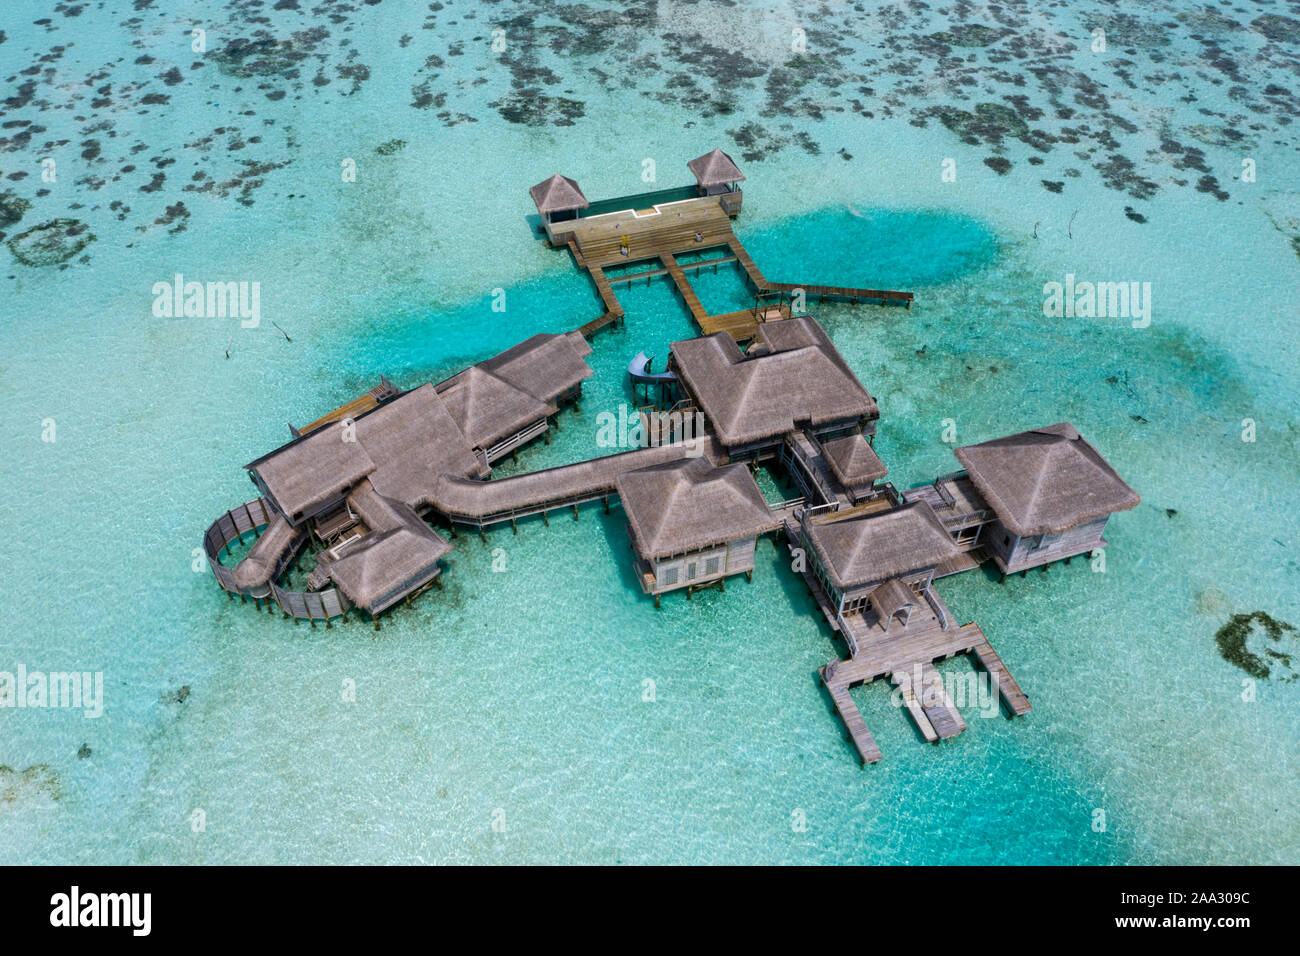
908 660
685 226
364 403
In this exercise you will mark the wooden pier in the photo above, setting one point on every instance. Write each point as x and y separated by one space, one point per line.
868 751
908 661
690 226
1012 696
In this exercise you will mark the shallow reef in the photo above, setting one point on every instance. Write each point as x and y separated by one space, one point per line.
1235 639
51 243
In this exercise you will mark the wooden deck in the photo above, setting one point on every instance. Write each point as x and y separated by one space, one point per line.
1012 696
908 659
621 238
666 231
358 406
955 500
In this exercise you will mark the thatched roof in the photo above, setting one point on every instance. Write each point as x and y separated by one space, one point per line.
865 549
544 365
258 566
304 474
403 446
498 397
386 566
853 460
715 168
749 398
1045 481
687 505
558 194
488 409
397 554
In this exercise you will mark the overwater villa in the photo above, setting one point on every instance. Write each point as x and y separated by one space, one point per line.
377 490
693 523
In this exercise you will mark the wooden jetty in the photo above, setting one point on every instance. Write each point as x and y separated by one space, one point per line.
664 226
1012 696
852 717
820 292
908 662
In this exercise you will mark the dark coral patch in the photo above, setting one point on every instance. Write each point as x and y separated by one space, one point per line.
51 243
1234 639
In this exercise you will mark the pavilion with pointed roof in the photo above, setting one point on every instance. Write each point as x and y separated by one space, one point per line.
715 173
558 198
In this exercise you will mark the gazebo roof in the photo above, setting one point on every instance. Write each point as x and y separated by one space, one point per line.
715 168
557 194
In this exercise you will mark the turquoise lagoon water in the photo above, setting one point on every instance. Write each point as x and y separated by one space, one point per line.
517 694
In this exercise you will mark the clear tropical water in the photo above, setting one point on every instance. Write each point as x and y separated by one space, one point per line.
517 695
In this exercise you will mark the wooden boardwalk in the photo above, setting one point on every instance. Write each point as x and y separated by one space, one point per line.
1012 696
698 312
613 311
650 274
857 727
762 284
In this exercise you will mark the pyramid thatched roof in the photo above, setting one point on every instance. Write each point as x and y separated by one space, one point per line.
715 168
397 554
558 194
687 505
853 460
750 398
1045 481
866 549
489 409
496 398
